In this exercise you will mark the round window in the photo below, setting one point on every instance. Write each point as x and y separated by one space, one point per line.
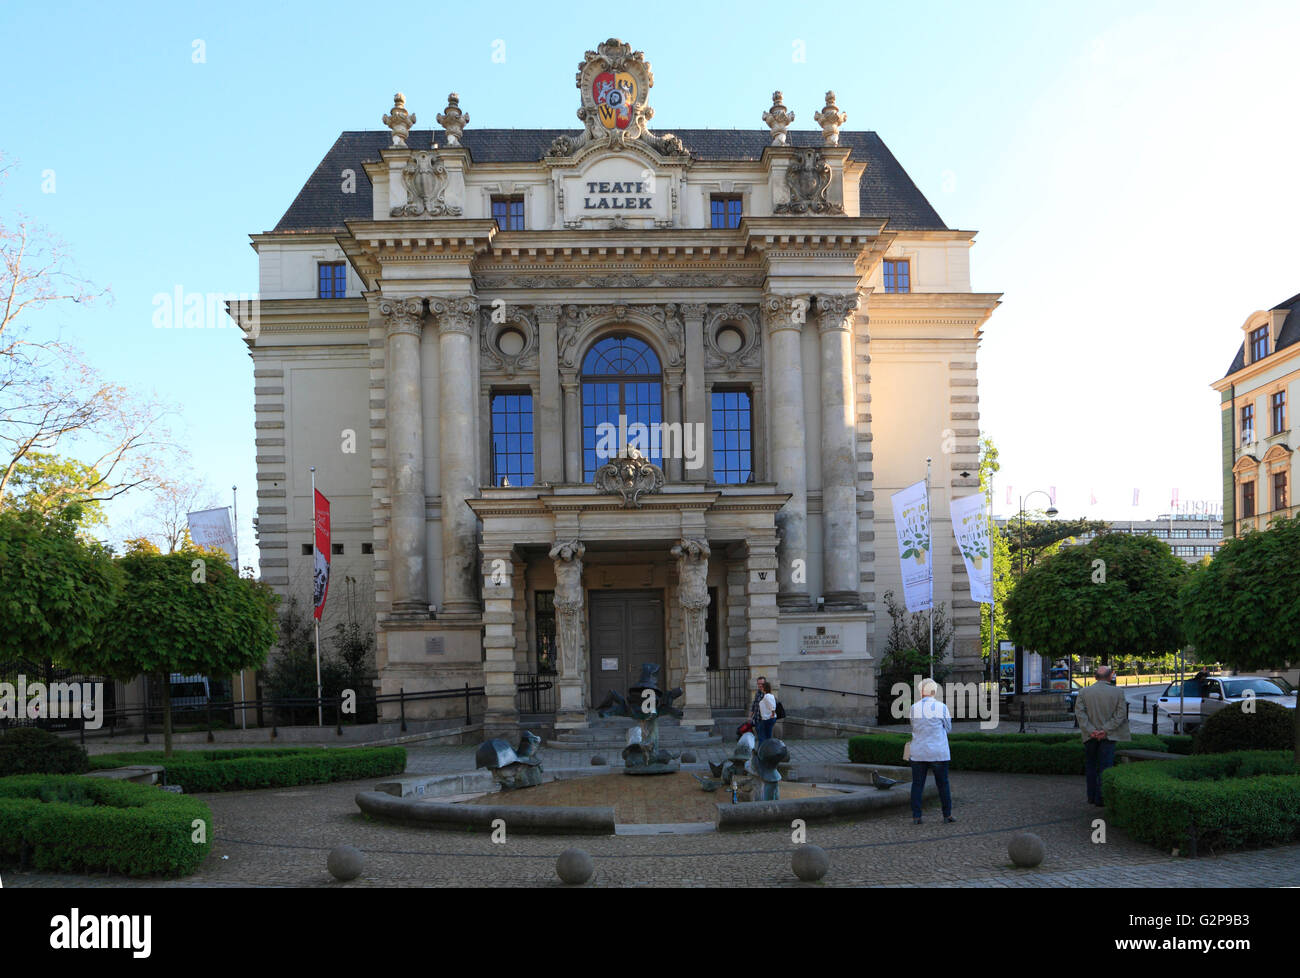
510 342
729 339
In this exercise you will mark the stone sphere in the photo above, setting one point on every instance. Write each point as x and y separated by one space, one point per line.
1026 850
688 757
810 863
597 760
346 863
574 866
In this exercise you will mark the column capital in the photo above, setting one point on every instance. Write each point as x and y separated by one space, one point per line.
836 310
402 315
454 314
694 311
781 312
547 313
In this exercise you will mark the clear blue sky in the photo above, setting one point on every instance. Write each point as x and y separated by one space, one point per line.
1130 169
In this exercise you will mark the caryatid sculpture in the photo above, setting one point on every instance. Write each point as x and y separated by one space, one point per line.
693 596
568 602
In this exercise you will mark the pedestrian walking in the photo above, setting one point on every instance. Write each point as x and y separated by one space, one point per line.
1103 722
931 724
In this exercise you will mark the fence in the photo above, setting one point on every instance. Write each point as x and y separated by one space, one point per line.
535 692
47 673
729 688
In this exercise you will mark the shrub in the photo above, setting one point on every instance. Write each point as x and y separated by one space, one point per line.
1269 727
1044 753
242 770
1245 798
30 750
65 823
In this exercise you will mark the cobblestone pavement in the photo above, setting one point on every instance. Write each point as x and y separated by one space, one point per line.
281 838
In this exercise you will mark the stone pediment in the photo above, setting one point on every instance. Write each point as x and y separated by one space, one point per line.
632 187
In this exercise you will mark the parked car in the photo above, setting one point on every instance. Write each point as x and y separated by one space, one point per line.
1200 698
1076 688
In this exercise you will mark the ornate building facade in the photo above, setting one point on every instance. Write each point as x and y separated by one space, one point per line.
584 399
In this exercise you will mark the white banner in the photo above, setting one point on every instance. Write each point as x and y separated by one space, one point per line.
211 528
912 522
970 525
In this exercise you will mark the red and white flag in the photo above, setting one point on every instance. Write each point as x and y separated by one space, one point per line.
1008 495
321 570
1135 497
1092 495
1173 500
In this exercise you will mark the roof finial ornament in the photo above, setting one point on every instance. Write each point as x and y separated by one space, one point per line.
453 120
830 118
400 121
778 119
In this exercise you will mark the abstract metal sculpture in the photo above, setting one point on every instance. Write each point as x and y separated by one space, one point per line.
512 767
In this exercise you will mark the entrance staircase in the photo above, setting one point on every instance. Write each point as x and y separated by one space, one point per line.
610 734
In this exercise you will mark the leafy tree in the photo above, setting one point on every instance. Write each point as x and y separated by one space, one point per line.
57 591
907 650
1117 595
186 612
1041 537
1003 580
1243 608
46 483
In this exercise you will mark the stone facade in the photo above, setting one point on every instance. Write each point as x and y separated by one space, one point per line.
850 382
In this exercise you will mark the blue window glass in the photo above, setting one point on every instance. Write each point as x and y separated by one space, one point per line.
332 280
508 212
512 439
898 276
620 379
725 211
733 460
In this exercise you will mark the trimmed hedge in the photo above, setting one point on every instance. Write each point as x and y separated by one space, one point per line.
30 750
243 770
1044 753
68 823
1245 798
1267 727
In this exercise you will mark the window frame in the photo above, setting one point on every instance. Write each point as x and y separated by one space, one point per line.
889 275
1247 423
1280 486
1277 408
1258 341
514 221
1248 508
523 476
726 200
338 283
623 381
718 457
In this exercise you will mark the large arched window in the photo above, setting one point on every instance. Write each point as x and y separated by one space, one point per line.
620 377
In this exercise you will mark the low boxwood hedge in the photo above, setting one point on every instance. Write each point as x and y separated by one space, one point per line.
30 750
1235 800
1044 753
241 770
68 823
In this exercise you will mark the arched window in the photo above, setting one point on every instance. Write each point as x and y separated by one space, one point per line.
620 378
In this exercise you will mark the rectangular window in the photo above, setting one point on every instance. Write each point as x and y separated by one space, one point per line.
1279 490
1259 344
1248 499
512 439
508 212
544 629
1279 412
898 275
332 280
724 210
1247 423
1180 534
733 460
336 549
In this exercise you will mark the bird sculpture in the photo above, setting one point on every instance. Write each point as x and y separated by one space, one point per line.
881 782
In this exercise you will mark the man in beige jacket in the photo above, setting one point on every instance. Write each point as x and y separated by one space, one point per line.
1102 711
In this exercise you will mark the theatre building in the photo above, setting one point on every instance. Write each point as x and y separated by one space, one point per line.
585 398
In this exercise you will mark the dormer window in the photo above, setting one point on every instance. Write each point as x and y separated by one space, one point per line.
898 275
332 280
508 212
1259 344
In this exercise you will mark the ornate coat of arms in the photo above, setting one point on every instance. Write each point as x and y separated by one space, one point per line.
807 180
631 476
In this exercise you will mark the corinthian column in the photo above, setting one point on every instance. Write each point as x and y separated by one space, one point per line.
840 585
570 620
455 320
405 422
693 598
784 317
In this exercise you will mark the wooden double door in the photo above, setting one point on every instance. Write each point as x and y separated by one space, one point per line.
626 628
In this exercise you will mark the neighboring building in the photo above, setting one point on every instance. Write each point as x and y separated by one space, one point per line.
1192 536
448 318
1256 396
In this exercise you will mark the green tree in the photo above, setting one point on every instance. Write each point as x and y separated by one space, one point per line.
186 612
1003 581
1244 606
1118 595
46 483
57 591
907 651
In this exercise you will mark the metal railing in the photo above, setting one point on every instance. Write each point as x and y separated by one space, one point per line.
729 688
535 692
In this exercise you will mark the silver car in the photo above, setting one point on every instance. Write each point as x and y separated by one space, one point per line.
1200 698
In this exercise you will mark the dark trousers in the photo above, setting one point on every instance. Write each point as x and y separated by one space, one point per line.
1097 756
764 731
919 771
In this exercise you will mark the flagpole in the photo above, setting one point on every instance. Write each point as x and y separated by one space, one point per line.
931 522
993 594
320 712
234 501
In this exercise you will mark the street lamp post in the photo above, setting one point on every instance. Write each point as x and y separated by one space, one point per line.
1051 512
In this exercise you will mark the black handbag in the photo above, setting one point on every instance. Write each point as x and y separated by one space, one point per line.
780 710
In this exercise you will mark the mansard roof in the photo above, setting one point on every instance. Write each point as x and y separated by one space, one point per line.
1287 335
885 189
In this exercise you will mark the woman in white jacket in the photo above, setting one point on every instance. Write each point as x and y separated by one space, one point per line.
931 723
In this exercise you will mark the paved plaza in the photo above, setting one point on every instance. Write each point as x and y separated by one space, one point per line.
281 838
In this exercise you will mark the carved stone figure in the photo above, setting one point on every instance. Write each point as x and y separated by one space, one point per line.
453 120
807 180
693 596
400 121
830 118
425 180
631 476
568 602
778 119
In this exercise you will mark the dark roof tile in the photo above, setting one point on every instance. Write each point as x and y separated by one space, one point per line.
1287 335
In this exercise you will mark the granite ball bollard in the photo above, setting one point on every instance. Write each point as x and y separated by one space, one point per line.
346 863
688 757
810 863
574 866
1026 850
598 760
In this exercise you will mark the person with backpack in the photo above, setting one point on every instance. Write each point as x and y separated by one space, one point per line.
767 711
